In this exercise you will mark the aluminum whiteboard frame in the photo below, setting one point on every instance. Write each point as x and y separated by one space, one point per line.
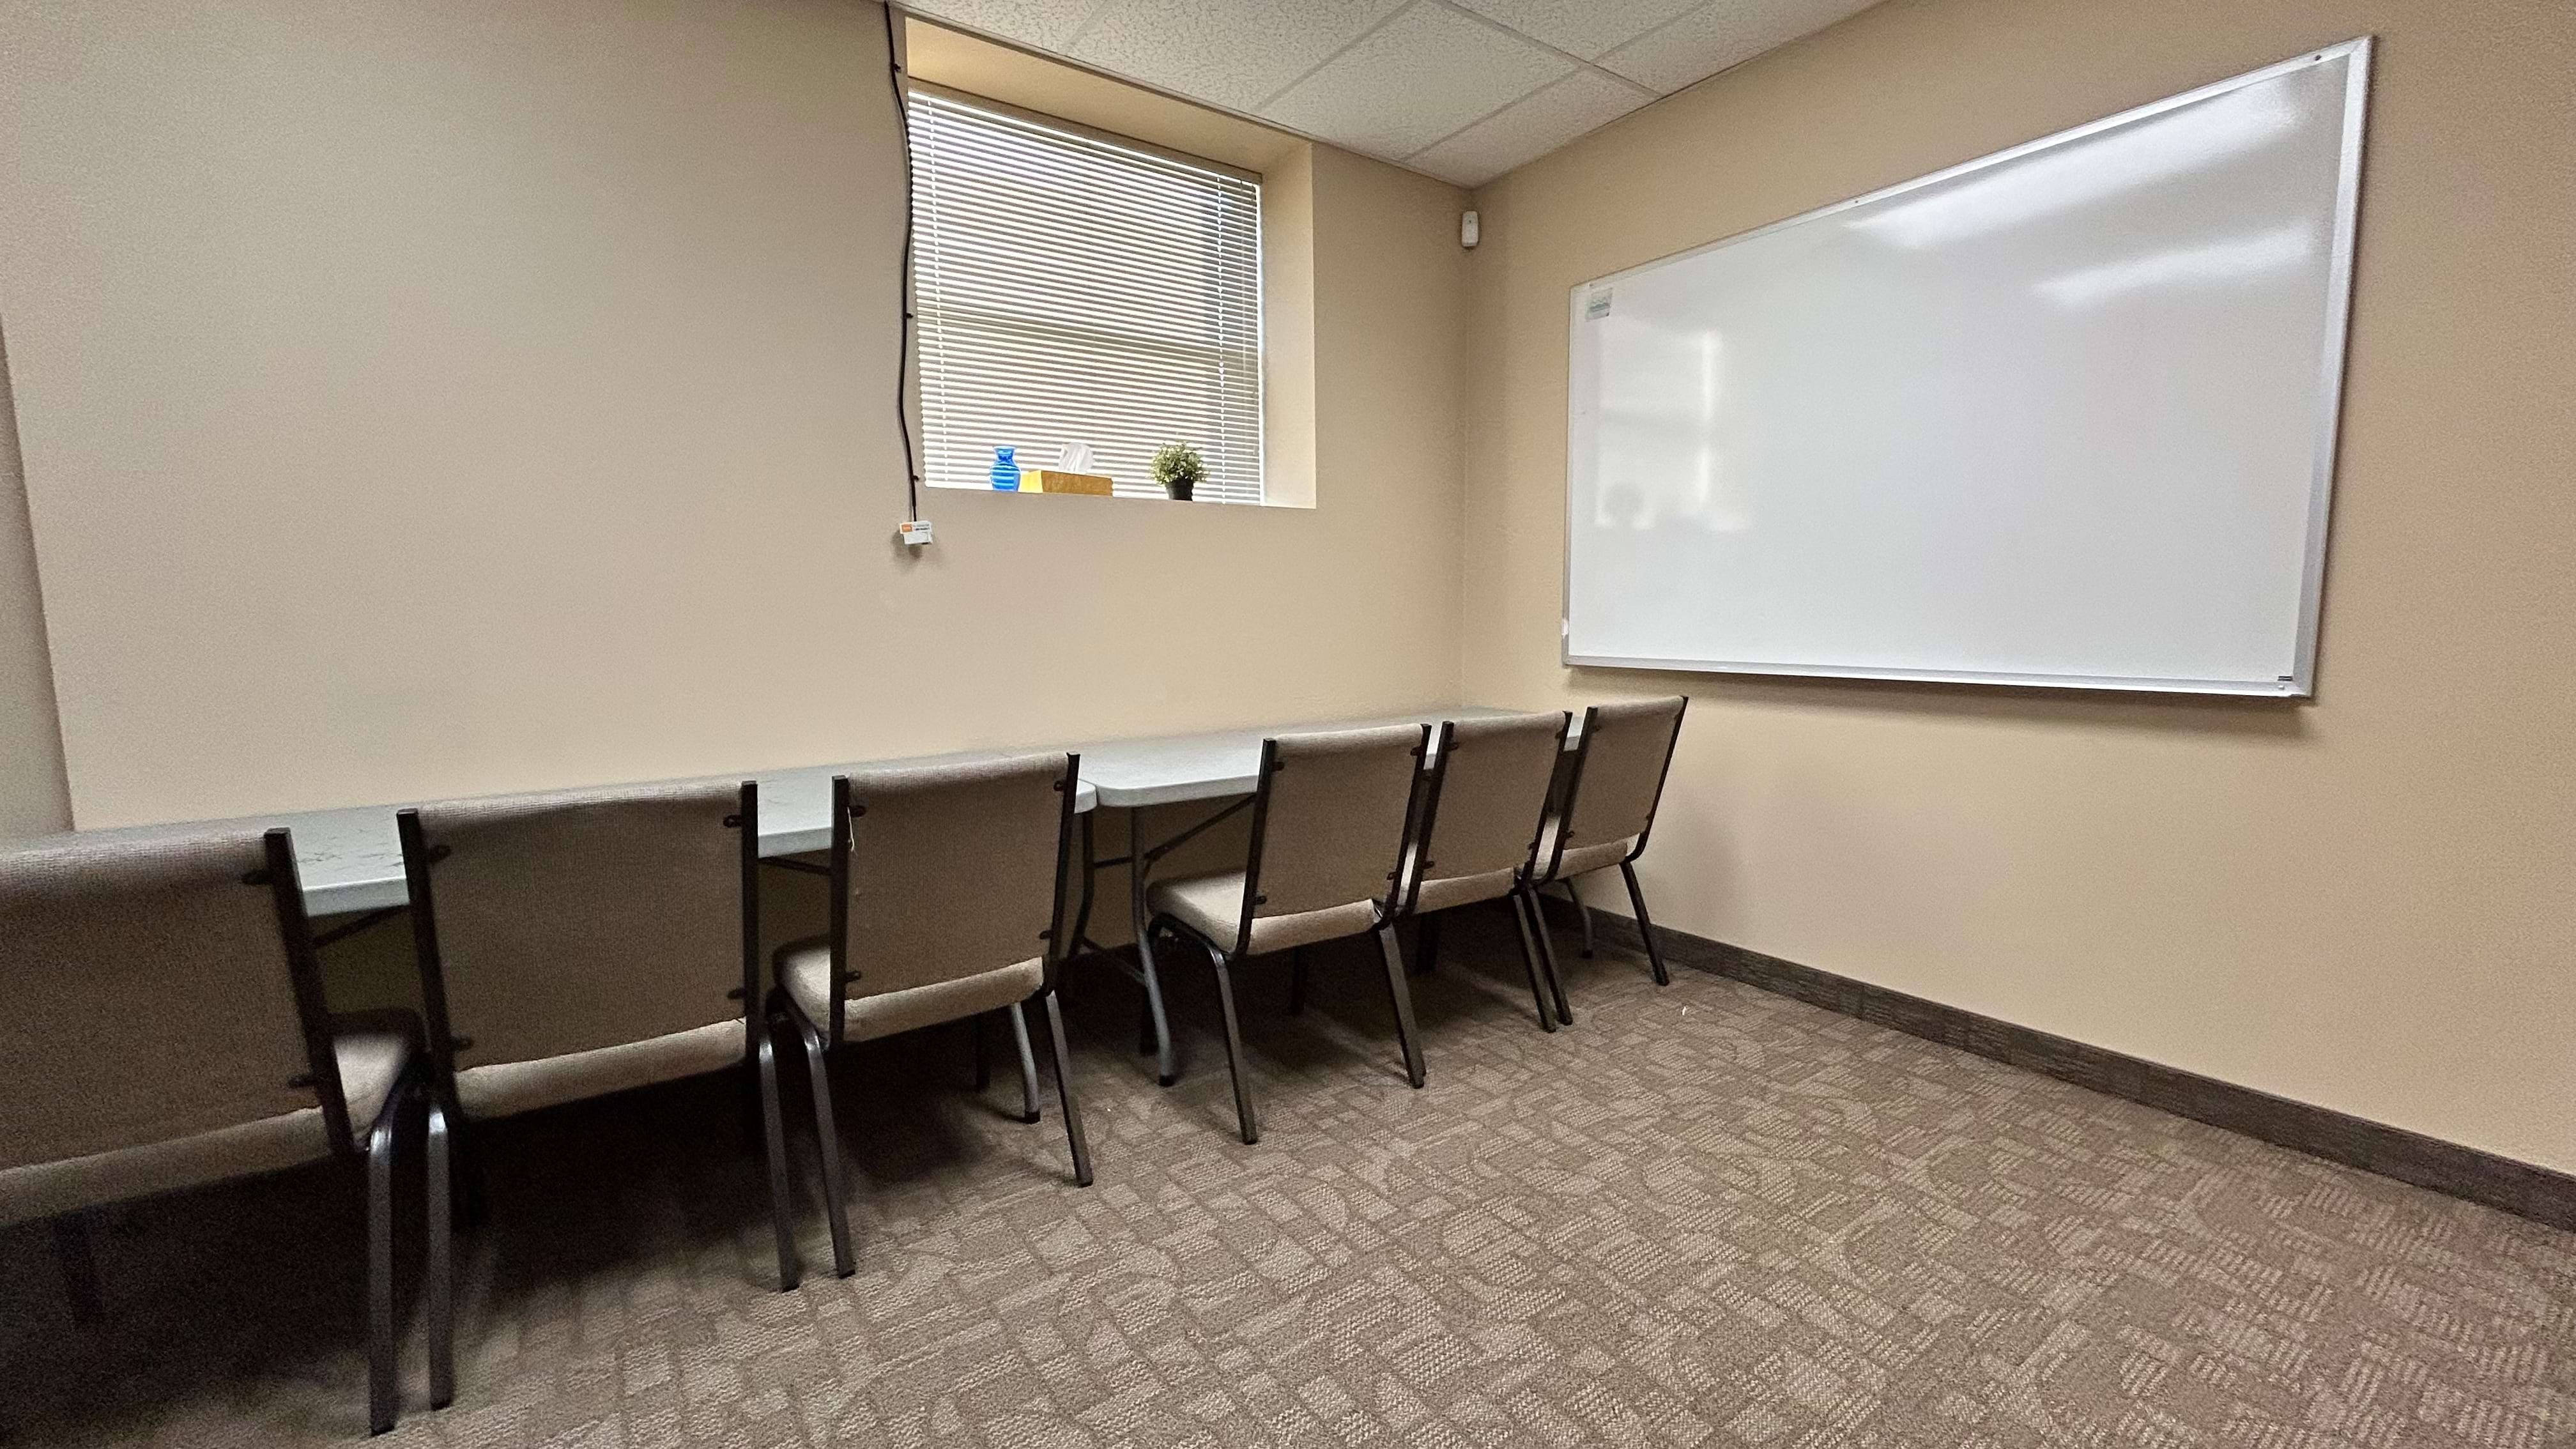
2301 683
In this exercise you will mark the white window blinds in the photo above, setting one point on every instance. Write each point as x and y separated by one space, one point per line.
1069 289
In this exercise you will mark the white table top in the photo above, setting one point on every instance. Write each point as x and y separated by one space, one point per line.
351 860
1171 768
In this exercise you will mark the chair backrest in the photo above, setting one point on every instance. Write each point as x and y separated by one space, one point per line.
1488 794
1619 771
563 922
152 995
1331 817
947 871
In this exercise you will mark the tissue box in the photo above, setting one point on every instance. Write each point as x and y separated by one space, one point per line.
1051 480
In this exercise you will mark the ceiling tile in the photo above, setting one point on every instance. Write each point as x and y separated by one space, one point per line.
1530 128
1235 53
1583 27
1046 24
1720 33
1419 77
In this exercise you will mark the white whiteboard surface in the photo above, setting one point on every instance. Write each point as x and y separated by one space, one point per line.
2061 416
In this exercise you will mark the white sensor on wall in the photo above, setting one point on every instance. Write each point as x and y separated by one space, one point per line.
1467 229
915 532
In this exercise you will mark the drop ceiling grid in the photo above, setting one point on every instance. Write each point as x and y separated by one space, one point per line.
1463 90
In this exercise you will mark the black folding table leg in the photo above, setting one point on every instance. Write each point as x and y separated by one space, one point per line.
1168 1065
1426 944
1645 924
1028 1065
1582 915
1297 981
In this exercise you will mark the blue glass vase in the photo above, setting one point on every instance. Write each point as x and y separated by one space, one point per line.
1006 474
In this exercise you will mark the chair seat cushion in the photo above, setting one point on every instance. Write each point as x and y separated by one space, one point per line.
805 969
371 1064
1440 893
499 1089
1580 858
1212 906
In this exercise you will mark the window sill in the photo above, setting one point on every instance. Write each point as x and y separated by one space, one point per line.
1025 492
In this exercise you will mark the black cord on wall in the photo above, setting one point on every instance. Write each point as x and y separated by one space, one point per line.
903 297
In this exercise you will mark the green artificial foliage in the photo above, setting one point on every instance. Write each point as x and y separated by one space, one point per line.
1178 467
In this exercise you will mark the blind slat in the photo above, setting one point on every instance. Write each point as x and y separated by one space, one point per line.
1069 289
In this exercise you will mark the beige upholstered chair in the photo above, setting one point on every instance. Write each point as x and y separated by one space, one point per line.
945 907
1483 810
580 943
166 1027
1332 818
1608 810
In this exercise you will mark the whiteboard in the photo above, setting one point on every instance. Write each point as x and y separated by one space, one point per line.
2061 416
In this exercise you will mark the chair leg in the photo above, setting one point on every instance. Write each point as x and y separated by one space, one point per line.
1645 925
466 1178
441 1268
1028 1064
1297 981
1158 1022
1529 961
827 1140
773 1133
1243 1113
1582 915
1403 994
1426 944
1064 1090
1531 903
382 1385
80 1266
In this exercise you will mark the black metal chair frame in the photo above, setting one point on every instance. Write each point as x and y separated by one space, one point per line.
1223 958
1627 863
819 1042
1522 898
379 1152
304 967
446 1136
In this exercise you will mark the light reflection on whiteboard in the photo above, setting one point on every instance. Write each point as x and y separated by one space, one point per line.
1663 440
2000 198
2238 260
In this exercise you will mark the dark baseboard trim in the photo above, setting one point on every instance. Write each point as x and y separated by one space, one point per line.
2519 1188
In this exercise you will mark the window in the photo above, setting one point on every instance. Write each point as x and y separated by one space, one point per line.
1070 289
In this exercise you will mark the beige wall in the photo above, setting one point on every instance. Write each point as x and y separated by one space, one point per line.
463 395
2368 902
32 797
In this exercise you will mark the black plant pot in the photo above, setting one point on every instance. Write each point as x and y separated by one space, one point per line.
1179 491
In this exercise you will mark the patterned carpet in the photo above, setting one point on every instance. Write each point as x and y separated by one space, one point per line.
1704 1215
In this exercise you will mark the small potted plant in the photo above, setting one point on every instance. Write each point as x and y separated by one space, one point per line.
1178 467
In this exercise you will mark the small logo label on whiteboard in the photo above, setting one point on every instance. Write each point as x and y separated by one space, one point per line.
1597 306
